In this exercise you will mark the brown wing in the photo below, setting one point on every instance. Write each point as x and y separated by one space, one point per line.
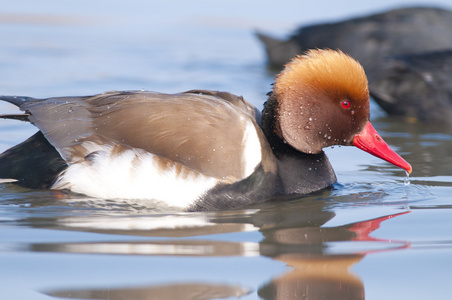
202 131
235 100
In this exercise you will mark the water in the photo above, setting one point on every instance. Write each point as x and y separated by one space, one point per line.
370 234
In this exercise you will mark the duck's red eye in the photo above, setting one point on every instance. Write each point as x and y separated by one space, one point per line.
346 104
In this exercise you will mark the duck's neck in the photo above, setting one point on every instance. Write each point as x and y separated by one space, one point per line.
299 172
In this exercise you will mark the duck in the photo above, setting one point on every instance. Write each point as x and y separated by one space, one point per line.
416 87
200 150
368 38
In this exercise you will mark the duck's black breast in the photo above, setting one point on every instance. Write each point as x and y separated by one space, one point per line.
298 173
258 187
303 173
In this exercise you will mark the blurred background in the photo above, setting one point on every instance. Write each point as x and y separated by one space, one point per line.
54 48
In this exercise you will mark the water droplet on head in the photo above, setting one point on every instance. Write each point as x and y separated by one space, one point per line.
310 119
307 127
428 76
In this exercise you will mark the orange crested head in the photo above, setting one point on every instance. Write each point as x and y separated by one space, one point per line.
323 71
323 100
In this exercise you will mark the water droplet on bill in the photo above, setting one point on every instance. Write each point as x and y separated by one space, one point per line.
407 179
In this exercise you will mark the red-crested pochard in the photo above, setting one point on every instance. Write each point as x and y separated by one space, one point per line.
200 150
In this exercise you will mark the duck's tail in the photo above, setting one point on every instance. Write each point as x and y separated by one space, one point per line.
34 163
16 100
278 52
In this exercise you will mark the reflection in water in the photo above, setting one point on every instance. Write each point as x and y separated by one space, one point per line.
168 247
316 277
295 237
317 274
184 291
428 147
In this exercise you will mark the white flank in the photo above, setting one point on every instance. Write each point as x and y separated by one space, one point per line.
132 174
252 153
